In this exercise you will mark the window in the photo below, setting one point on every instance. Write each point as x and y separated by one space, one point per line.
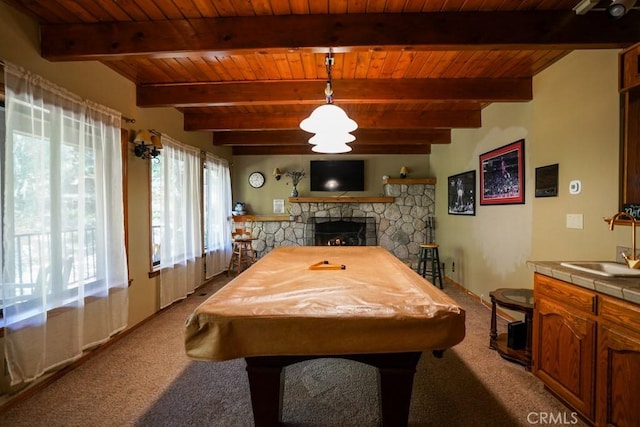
217 208
176 227
62 226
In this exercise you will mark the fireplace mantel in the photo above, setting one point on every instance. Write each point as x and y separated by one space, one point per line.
343 199
409 181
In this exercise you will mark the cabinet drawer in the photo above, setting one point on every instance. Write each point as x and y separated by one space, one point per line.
619 313
568 294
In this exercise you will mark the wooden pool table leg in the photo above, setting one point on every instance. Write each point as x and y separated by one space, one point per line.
395 382
266 383
395 395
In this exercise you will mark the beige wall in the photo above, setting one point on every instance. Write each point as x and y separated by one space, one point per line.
260 201
576 112
573 121
99 83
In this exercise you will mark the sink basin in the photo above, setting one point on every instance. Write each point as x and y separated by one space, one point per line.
605 268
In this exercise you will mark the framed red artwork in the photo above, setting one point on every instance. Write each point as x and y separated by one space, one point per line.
502 175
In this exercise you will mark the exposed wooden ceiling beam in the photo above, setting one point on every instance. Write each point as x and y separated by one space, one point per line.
386 91
347 32
372 119
356 148
391 137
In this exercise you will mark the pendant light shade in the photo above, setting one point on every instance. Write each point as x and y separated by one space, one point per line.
328 117
324 138
331 148
331 142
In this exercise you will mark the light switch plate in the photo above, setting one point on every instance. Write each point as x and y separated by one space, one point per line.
575 221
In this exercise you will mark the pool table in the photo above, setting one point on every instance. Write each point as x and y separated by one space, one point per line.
298 303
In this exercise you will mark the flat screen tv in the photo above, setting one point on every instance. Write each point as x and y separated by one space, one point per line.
337 175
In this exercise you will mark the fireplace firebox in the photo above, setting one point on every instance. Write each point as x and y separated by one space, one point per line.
354 231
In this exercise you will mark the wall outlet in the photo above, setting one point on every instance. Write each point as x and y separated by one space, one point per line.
575 221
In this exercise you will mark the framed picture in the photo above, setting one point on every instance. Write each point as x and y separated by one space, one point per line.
547 181
502 175
462 193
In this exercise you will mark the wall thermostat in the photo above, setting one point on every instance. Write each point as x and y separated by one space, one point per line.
575 187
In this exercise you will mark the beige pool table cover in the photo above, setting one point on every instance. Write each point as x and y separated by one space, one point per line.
281 307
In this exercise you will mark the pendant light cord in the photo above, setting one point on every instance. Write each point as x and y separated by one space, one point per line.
328 62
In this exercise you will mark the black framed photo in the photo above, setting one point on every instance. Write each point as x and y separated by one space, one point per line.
502 175
547 181
462 193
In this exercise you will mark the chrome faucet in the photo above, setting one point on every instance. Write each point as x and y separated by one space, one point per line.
632 262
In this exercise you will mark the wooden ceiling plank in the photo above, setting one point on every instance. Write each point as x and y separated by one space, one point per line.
308 65
151 10
390 64
244 67
380 120
224 7
50 12
189 70
241 8
255 63
405 60
347 91
281 7
262 7
206 8
229 65
169 9
487 30
204 68
363 60
283 66
376 64
109 11
299 7
133 11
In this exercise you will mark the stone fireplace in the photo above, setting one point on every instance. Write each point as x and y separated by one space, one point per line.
397 222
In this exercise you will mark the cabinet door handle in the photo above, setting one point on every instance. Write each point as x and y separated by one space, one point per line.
594 304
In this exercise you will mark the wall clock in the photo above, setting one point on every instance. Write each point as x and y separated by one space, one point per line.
256 180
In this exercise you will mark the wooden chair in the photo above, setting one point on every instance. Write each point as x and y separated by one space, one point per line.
242 234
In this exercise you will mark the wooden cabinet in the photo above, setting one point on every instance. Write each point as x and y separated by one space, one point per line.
586 350
618 363
564 336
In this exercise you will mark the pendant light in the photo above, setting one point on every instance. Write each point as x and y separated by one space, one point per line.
329 122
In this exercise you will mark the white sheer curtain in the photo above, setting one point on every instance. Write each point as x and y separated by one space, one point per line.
64 270
181 263
216 213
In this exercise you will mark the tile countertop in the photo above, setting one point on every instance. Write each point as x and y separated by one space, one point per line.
625 288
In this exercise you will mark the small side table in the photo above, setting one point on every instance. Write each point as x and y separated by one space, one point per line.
520 300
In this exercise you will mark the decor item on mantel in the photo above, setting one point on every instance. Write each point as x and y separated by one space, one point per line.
404 172
239 209
296 177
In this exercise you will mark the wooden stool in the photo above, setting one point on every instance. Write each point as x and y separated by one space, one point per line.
242 255
429 262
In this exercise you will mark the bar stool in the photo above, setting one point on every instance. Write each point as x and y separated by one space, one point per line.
243 253
429 262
